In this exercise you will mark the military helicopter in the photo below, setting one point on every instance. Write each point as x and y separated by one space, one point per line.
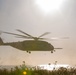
34 44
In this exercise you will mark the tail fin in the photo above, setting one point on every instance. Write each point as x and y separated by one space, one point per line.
1 41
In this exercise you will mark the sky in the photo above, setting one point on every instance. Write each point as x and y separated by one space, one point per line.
28 16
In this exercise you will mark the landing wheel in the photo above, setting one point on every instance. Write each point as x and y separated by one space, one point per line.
51 51
29 52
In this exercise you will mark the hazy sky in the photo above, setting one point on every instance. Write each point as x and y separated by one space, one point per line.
27 16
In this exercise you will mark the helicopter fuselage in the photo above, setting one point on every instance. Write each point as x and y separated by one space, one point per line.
32 45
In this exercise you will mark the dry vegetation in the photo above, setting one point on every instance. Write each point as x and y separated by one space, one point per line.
24 70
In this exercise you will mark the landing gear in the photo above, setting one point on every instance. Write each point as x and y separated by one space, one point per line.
52 51
28 52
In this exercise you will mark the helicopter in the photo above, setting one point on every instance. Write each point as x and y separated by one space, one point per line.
34 44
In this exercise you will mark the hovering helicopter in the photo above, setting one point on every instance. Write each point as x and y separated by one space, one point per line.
35 44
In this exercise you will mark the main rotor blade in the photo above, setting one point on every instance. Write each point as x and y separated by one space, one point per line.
23 37
25 33
54 38
44 34
43 39
15 34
